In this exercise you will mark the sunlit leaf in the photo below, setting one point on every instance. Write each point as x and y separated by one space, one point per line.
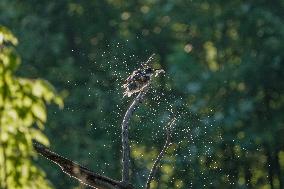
39 111
7 36
39 136
21 105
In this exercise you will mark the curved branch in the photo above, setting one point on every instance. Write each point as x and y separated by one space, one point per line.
125 140
125 125
82 174
155 166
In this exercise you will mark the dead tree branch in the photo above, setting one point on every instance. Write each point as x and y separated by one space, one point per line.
155 166
95 180
125 139
82 174
125 128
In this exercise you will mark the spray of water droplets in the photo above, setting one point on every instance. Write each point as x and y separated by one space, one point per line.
191 143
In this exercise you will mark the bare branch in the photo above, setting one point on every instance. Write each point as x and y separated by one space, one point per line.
155 166
79 172
125 140
90 178
150 59
125 126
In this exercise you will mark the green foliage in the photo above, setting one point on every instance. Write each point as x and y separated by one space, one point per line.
22 119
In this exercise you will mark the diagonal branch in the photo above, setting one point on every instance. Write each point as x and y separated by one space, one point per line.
88 177
155 166
150 59
82 174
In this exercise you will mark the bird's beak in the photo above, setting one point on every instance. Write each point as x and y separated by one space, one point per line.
158 72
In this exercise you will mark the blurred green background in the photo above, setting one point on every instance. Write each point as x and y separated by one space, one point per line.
224 80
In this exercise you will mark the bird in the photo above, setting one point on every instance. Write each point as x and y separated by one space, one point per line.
140 78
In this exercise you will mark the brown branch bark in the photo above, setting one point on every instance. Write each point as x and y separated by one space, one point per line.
155 166
82 174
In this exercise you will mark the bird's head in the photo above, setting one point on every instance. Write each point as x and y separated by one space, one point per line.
149 71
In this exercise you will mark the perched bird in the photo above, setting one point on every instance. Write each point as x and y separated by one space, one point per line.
140 78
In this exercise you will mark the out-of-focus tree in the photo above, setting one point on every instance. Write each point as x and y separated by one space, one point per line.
22 119
223 58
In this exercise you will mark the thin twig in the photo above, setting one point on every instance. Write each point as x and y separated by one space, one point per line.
83 174
150 59
155 166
